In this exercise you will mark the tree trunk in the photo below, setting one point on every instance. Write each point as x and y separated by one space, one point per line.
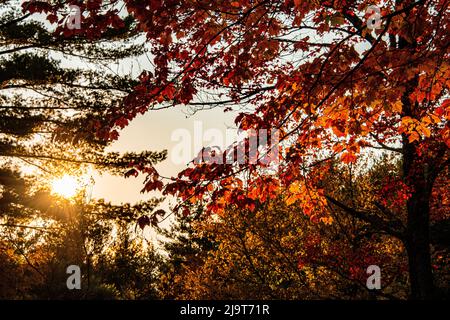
418 247
418 225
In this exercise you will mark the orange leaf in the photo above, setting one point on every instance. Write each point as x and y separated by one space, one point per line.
291 199
348 157
414 136
397 106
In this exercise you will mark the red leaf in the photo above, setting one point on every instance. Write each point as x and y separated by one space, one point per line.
132 172
348 157
143 222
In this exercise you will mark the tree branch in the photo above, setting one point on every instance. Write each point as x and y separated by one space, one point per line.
374 221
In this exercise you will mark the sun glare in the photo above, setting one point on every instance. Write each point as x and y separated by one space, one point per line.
65 186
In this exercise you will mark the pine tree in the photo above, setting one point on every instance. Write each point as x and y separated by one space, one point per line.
56 92
51 105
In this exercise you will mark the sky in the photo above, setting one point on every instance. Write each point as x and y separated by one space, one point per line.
157 131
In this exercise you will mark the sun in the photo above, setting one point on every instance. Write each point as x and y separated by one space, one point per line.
66 186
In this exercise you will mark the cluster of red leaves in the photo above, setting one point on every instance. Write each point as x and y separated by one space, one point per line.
95 16
336 98
394 193
352 261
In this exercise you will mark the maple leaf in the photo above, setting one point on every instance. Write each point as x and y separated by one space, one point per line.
52 18
143 221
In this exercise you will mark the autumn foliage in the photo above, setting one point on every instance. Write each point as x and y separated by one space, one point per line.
334 89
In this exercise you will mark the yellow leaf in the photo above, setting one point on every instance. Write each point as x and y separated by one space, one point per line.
294 188
407 120
424 130
327 220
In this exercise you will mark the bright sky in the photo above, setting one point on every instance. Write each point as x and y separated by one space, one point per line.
154 131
